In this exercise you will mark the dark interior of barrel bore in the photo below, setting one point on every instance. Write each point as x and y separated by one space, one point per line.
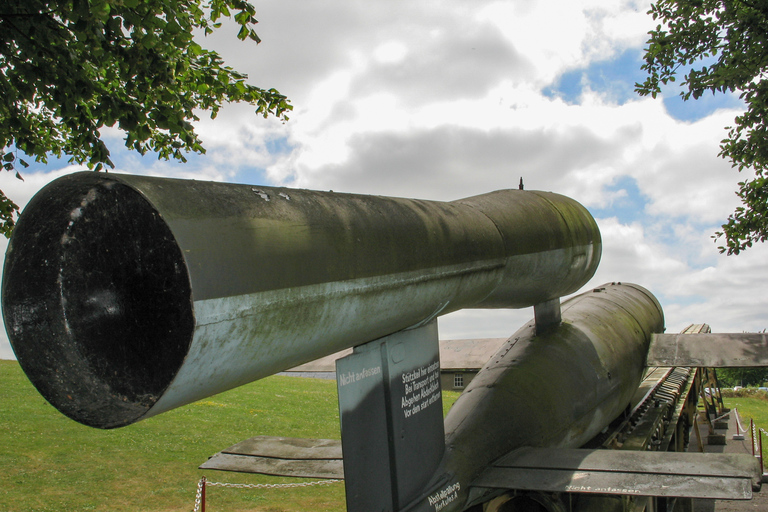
97 300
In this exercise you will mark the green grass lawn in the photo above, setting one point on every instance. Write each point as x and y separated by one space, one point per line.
51 463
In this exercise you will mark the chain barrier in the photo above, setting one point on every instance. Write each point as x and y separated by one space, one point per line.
203 483
755 439
758 444
272 486
739 435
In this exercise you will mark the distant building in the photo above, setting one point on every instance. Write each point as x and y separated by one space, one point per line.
460 360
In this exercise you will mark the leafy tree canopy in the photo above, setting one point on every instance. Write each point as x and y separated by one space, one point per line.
728 39
730 377
68 68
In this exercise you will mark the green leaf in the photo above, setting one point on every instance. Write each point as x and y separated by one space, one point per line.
124 63
691 33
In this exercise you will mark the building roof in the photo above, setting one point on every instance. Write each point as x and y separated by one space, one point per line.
468 354
454 355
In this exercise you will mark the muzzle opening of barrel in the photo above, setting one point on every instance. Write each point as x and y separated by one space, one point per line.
98 299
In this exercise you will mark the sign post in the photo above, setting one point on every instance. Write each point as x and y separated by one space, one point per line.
391 411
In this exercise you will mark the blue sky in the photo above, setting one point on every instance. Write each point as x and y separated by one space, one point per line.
442 100
629 204
615 78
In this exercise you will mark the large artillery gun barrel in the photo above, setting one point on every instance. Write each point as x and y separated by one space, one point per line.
553 389
126 296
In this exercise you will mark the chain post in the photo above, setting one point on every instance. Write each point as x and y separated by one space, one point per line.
760 448
200 496
757 443
203 480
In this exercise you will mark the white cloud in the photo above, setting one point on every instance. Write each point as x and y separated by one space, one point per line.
391 52
579 33
443 99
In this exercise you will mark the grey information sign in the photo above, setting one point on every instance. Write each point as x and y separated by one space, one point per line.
364 443
391 418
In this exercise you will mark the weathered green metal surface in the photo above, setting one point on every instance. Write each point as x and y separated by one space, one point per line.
709 350
555 389
126 296
514 430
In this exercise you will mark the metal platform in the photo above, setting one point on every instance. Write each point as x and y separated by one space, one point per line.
282 456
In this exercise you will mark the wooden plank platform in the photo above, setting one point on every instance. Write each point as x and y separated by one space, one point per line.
282 456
